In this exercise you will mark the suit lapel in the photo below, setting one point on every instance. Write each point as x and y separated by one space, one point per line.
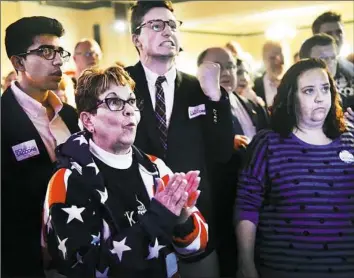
148 119
177 103
23 129
248 106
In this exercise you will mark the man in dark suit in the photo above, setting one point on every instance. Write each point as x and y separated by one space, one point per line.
87 53
331 24
33 122
266 85
248 118
183 121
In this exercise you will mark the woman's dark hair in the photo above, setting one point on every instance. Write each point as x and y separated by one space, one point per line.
285 106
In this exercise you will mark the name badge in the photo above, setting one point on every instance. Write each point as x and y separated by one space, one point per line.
195 111
25 150
346 157
171 265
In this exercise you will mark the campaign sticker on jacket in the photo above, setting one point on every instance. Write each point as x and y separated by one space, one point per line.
25 150
196 111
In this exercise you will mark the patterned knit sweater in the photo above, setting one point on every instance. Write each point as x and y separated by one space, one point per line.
301 197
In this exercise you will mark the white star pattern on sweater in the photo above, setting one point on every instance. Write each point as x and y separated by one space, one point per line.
106 230
49 224
78 260
104 195
62 246
93 165
81 139
74 213
102 274
95 239
76 166
154 250
119 247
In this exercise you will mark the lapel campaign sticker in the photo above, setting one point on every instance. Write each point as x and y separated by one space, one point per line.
25 150
195 111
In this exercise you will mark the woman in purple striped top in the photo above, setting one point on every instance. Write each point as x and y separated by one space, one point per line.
294 210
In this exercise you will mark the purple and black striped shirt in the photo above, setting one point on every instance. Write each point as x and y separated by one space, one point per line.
301 197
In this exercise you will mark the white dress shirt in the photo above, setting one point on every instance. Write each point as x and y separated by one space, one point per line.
243 117
168 88
269 90
52 132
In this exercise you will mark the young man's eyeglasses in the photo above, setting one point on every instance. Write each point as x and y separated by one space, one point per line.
117 104
158 25
48 52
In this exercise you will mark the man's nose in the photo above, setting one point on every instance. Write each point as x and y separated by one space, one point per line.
279 59
58 60
167 32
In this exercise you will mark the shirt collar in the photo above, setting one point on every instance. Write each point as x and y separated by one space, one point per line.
151 76
33 106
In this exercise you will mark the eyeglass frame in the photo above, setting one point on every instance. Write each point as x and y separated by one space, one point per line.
228 66
105 100
166 22
88 54
40 48
329 58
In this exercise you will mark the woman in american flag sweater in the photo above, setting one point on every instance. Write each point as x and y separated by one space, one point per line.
110 209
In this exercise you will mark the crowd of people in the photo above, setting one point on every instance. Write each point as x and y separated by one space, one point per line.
146 171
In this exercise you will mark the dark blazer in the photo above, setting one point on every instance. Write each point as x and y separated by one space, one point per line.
191 142
259 88
257 113
226 175
23 184
346 69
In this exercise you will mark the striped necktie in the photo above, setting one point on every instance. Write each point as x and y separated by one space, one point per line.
160 112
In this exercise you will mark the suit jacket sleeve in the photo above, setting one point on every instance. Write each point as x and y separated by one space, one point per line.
218 129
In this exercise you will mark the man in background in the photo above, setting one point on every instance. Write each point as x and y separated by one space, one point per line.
87 53
324 47
273 59
248 117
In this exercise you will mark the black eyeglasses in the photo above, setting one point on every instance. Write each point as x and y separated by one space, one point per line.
48 52
117 104
158 25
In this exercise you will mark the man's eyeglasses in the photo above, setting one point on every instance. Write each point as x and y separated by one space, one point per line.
329 59
158 25
88 54
117 104
48 52
229 66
